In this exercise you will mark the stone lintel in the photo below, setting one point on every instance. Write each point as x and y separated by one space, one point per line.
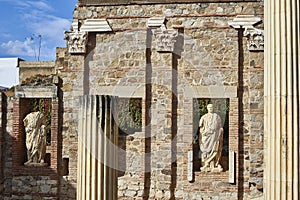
36 91
95 25
210 91
122 91
244 21
155 22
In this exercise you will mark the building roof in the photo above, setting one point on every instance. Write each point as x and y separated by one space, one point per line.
9 72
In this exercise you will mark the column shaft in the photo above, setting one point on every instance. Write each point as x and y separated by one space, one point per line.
281 99
97 148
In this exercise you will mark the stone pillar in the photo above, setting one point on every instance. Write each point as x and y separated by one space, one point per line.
281 99
97 148
162 98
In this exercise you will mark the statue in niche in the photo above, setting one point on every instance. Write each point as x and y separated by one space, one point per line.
210 141
35 138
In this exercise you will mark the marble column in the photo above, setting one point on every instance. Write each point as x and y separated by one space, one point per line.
281 174
97 148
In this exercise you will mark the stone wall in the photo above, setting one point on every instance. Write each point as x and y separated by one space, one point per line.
210 58
2 122
71 73
24 182
29 69
7 149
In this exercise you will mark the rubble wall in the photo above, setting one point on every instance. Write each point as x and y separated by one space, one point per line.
210 53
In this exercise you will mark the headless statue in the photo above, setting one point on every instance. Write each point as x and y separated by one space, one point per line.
35 137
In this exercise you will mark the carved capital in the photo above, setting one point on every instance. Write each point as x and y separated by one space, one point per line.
255 36
255 39
77 37
76 42
165 39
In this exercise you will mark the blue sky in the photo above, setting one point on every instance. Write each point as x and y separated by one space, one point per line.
24 23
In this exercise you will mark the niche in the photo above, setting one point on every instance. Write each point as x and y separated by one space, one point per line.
130 115
130 128
221 108
65 167
37 131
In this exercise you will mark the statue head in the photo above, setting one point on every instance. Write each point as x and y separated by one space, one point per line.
210 108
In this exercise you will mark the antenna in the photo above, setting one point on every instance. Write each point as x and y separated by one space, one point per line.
32 37
40 45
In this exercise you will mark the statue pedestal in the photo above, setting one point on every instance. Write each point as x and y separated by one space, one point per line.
214 169
36 164
217 169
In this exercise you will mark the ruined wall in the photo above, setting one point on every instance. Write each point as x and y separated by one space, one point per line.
7 148
30 69
2 122
26 182
71 74
209 53
211 60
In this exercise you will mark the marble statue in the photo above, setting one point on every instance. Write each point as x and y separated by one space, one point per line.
210 141
35 138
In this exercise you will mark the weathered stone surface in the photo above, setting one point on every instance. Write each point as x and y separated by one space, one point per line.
207 59
36 91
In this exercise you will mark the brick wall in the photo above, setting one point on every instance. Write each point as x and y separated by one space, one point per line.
40 180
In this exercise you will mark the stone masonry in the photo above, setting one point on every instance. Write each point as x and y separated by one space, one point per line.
210 60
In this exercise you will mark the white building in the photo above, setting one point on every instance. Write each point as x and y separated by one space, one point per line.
9 72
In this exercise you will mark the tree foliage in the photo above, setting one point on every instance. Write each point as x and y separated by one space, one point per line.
130 115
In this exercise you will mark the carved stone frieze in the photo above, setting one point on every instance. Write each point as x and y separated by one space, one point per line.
165 39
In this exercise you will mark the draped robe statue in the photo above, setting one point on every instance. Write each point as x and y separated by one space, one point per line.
210 141
35 138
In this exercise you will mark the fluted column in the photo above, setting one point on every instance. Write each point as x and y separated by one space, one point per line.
97 148
281 99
